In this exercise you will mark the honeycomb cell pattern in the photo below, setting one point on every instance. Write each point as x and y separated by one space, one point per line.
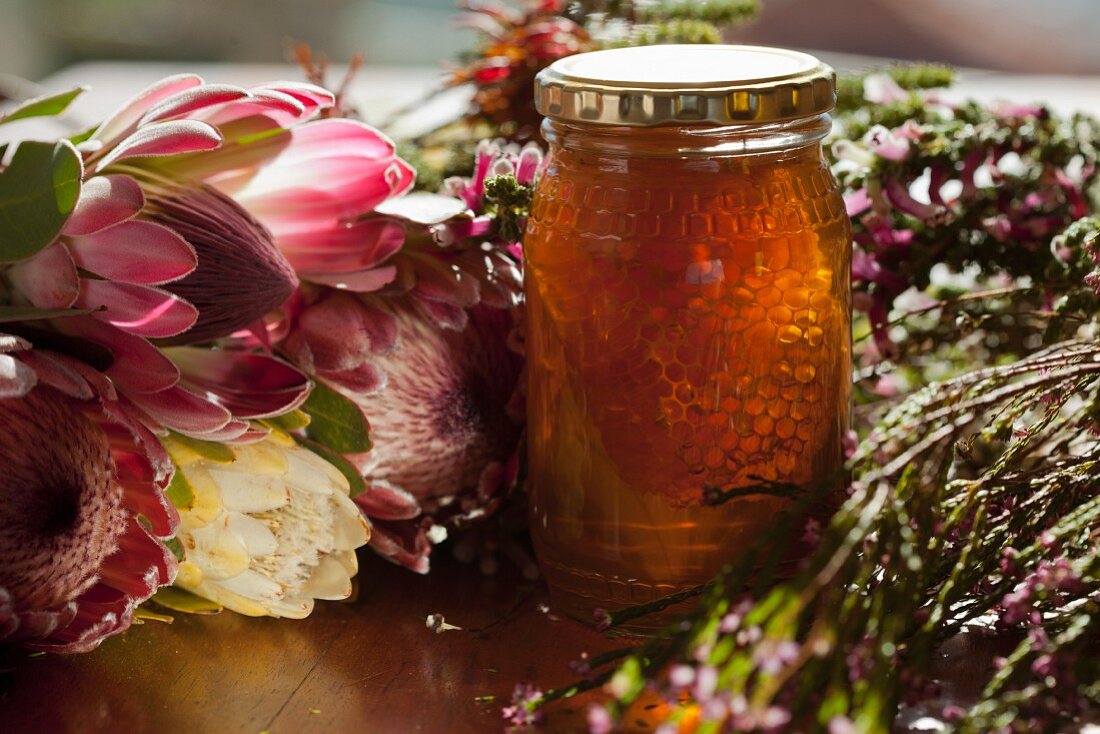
688 326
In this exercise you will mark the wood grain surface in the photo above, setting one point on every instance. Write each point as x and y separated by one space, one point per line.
368 665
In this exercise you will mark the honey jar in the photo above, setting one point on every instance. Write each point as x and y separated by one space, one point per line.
688 315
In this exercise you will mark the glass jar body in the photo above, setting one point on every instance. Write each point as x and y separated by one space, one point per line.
688 328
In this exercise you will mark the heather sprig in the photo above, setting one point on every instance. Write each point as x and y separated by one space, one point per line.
932 184
921 548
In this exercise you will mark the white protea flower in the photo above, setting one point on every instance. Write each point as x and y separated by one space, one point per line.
269 531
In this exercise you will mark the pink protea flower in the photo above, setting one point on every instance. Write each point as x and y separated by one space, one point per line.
309 182
444 421
83 509
201 206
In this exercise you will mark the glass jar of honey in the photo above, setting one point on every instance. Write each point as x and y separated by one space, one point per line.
688 318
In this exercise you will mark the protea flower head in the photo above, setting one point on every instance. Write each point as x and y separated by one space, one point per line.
80 487
197 205
269 530
441 403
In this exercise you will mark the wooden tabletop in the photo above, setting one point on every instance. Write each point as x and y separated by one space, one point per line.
368 665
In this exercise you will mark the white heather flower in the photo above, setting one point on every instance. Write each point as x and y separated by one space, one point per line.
268 532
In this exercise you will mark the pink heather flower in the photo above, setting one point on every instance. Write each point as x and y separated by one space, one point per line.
602 618
841 724
440 403
885 143
681 676
522 712
811 532
706 683
599 720
83 508
883 90
771 656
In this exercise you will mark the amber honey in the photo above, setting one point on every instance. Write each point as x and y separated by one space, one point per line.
688 326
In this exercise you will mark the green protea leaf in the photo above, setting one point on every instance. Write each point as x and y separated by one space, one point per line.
38 191
45 106
336 422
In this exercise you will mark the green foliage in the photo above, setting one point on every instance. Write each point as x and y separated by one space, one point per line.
15 314
45 106
179 600
428 177
717 12
219 453
911 77
179 492
293 421
508 202
336 422
38 191
683 30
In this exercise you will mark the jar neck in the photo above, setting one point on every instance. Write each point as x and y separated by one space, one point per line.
689 141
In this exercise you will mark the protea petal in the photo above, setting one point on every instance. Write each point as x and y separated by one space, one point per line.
164 138
331 169
138 366
16 378
192 100
282 109
234 431
384 501
104 201
335 138
184 411
436 280
311 96
126 118
423 207
135 252
248 385
403 543
342 248
58 372
366 281
48 279
138 309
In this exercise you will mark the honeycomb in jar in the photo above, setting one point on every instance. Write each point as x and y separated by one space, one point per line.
702 321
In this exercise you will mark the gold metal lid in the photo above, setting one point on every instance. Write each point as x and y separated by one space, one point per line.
685 85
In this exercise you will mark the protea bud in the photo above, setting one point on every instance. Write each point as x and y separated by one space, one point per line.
269 531
74 560
241 275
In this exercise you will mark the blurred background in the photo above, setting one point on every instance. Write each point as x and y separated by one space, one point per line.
38 37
